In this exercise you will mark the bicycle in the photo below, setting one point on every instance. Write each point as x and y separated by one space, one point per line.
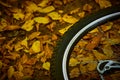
65 46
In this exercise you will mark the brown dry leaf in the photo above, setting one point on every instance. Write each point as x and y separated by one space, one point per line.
24 59
11 27
87 7
82 43
13 56
54 16
18 75
99 56
28 25
1 64
43 3
48 51
54 37
46 66
69 19
31 61
104 3
39 55
43 20
28 71
74 73
94 42
10 72
73 62
36 46
51 26
34 35
83 68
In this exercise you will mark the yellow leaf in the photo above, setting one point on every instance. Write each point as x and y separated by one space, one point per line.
25 42
73 62
74 73
69 19
98 55
108 50
18 46
1 64
28 25
18 16
107 26
62 31
10 71
46 9
54 16
46 65
91 66
103 3
81 14
31 6
43 3
43 20
36 47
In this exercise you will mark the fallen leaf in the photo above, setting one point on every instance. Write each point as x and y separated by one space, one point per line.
81 14
1 64
54 15
74 11
18 16
108 50
46 66
91 66
62 31
87 7
34 35
43 20
104 3
28 25
11 71
36 46
11 27
99 56
31 61
18 46
31 6
107 26
13 56
18 75
46 9
43 3
51 26
69 19
73 62
25 42
74 73
94 42
23 59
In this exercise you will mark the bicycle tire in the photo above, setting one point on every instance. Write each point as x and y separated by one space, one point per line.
62 52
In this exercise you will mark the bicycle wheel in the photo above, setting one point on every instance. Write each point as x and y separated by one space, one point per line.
65 46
